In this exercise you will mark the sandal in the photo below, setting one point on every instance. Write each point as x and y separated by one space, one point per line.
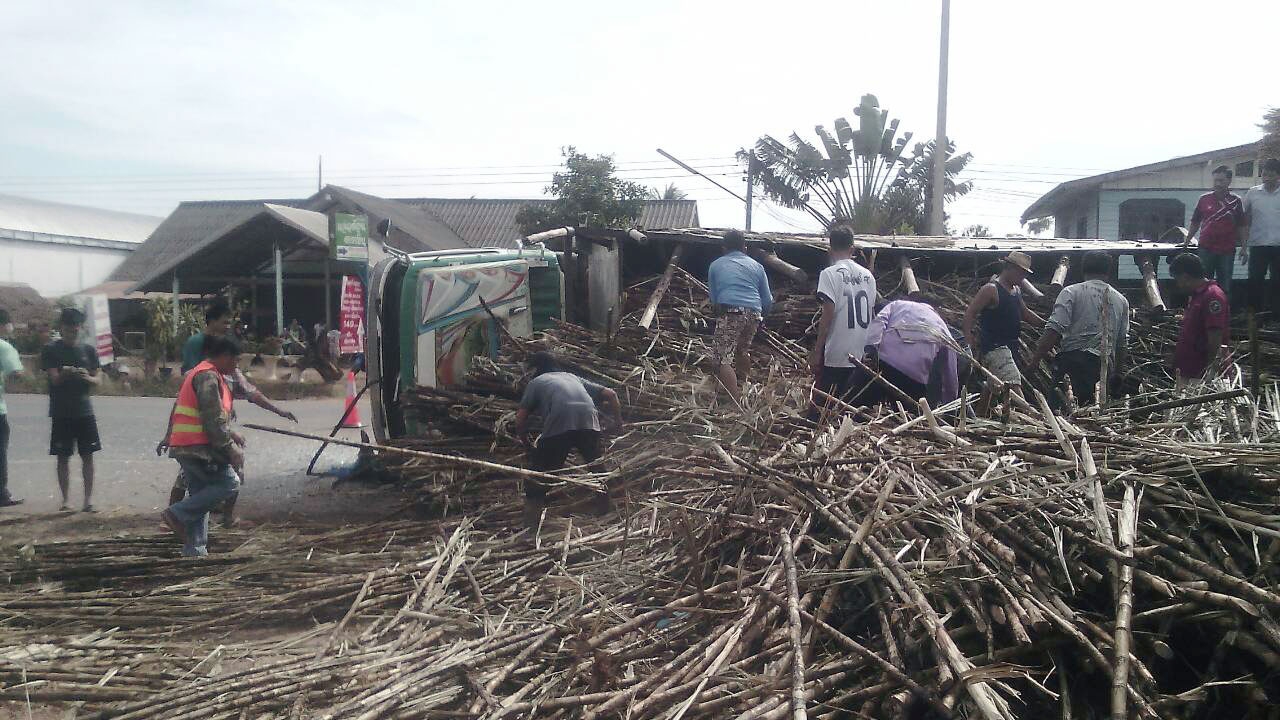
89 509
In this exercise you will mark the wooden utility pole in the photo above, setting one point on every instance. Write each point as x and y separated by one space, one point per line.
937 218
751 184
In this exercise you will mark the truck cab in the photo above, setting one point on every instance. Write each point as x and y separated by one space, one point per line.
427 318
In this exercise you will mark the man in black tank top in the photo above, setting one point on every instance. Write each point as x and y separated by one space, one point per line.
1001 309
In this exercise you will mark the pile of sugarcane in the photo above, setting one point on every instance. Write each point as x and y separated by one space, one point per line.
761 561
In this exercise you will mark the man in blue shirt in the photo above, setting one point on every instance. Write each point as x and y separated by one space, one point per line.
741 296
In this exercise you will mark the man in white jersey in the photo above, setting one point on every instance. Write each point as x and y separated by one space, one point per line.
848 295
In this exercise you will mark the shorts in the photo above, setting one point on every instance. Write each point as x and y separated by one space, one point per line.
1001 364
734 333
839 382
72 435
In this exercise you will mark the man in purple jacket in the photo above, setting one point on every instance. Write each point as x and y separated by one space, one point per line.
911 344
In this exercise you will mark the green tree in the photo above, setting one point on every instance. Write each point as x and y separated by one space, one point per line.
670 192
586 194
1270 127
861 177
1039 226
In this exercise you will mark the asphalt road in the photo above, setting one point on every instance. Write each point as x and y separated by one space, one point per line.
131 480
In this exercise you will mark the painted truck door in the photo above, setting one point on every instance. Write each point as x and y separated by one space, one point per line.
452 326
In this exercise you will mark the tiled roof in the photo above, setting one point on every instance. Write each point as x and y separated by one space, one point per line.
485 222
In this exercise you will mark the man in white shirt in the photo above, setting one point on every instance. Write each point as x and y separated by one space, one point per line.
848 295
10 366
1260 236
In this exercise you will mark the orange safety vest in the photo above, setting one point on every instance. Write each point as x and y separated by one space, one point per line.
185 428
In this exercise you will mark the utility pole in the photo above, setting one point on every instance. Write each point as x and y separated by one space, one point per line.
319 173
937 217
751 184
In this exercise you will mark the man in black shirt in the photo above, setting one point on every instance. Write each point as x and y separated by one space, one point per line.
72 367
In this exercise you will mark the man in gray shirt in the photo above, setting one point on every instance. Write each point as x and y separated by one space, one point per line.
1260 237
567 405
1089 319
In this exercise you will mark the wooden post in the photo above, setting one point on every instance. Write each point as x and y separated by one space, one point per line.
1149 283
253 311
328 297
569 271
1060 273
871 259
908 275
651 310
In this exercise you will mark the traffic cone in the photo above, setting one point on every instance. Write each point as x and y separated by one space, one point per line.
352 418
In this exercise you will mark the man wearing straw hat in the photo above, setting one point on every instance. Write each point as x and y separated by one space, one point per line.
1000 307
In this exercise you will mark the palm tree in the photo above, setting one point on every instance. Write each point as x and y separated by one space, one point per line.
670 192
861 177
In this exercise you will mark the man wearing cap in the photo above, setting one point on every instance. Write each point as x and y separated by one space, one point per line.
1206 323
1001 309
1076 327
847 292
741 296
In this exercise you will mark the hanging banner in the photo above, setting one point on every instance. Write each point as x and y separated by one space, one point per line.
97 326
351 316
350 237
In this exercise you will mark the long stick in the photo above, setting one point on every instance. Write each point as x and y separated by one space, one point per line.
1124 606
793 628
651 310
426 455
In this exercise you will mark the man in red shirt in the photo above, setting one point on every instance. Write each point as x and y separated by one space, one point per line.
1218 218
1206 323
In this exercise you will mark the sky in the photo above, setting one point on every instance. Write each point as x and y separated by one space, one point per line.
137 105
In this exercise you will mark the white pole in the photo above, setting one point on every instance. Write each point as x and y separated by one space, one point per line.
175 302
937 216
279 291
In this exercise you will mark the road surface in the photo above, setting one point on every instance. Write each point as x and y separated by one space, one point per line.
132 482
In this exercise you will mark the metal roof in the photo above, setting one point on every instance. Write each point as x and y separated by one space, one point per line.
1050 200
188 224
78 221
491 222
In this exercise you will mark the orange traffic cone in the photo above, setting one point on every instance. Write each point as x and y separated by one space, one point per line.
352 418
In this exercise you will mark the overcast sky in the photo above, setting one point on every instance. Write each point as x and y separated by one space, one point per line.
138 105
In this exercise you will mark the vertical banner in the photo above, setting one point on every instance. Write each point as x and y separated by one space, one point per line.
97 325
351 316
350 237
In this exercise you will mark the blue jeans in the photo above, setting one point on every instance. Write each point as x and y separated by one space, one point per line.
1219 266
208 484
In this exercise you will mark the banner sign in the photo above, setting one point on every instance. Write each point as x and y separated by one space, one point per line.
350 237
97 326
351 316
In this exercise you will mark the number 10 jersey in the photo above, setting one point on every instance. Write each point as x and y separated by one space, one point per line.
852 289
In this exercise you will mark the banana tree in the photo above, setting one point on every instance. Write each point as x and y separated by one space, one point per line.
857 176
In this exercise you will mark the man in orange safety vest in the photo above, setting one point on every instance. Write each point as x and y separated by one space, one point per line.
205 446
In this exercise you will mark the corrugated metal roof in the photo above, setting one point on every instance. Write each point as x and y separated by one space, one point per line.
414 222
51 218
491 222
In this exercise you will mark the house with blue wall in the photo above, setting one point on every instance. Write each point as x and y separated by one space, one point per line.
1148 202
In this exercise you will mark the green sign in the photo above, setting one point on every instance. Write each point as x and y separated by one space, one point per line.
350 237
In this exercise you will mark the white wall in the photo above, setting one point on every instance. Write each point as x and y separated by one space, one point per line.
55 270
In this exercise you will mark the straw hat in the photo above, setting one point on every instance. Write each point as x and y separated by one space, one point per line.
1019 259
